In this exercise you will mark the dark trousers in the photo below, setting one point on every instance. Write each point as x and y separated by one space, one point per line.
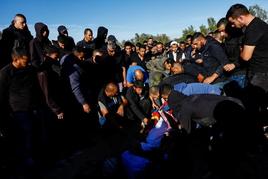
260 80
22 142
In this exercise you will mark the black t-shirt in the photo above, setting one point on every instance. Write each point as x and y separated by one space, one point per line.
256 34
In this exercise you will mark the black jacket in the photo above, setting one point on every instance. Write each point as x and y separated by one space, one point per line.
198 108
134 103
49 80
214 57
13 37
19 89
178 78
88 47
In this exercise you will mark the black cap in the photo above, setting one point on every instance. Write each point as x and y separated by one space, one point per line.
138 84
112 38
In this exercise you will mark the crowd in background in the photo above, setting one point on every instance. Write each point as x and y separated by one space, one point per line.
175 103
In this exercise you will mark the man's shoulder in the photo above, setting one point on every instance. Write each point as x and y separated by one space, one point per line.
9 31
6 72
6 69
256 24
80 43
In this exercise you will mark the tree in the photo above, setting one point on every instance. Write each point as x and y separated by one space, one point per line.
212 26
162 38
257 11
203 29
188 31
140 38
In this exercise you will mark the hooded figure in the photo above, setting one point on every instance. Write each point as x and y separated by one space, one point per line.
63 30
39 44
101 36
65 39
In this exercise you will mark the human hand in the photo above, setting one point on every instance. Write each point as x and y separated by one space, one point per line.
229 67
120 112
208 80
211 78
199 61
60 116
86 108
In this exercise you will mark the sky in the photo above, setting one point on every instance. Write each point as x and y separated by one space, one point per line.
122 18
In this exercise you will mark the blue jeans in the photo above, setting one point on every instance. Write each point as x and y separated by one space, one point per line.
240 79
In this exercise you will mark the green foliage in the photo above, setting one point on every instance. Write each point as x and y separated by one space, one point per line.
203 29
162 38
257 11
188 31
212 26
142 37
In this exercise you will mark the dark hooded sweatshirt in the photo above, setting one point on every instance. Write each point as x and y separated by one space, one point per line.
198 108
38 44
99 41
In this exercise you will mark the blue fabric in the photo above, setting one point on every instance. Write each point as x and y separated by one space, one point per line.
102 120
180 87
73 71
134 164
197 88
131 73
240 79
154 137
75 81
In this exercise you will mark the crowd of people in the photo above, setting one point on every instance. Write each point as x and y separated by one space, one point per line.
176 103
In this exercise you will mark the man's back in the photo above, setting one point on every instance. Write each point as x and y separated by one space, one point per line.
199 108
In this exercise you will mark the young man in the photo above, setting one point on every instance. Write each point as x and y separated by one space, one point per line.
231 42
87 43
16 35
213 58
21 98
49 80
255 48
139 102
